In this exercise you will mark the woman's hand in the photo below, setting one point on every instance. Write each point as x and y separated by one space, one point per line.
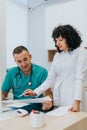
75 107
29 92
47 105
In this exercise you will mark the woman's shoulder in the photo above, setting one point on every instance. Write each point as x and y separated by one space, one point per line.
82 50
82 54
56 56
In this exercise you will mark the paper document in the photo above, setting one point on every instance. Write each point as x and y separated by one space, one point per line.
19 113
6 115
6 109
59 111
34 100
17 104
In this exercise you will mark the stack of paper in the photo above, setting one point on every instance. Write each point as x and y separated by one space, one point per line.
59 111
24 102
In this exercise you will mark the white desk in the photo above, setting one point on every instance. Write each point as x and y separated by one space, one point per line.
70 121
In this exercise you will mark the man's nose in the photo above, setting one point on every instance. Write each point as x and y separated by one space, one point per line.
23 63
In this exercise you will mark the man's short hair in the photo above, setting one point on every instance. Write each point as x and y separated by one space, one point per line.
19 49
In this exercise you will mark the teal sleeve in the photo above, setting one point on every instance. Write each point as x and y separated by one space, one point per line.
6 85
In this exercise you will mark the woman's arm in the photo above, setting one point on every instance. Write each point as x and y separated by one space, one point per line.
81 69
48 105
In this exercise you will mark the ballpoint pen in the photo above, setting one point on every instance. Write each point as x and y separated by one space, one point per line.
5 110
27 95
22 95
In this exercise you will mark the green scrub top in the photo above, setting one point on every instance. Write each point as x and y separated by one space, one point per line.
18 82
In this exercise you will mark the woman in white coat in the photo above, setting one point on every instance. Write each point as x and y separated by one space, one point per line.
68 68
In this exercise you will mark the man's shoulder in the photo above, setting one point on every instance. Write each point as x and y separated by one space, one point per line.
38 67
13 69
39 72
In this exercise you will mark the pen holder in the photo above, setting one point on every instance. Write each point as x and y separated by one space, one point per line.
37 119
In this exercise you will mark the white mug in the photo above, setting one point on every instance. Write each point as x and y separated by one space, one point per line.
37 119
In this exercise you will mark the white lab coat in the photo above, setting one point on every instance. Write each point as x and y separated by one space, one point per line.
66 76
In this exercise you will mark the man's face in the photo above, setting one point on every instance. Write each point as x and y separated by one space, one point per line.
23 60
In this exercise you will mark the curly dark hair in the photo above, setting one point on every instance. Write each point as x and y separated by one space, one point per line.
71 35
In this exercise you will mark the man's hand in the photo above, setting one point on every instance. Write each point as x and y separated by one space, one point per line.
29 92
76 106
4 95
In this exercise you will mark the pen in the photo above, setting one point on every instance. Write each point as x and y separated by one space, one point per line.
5 110
18 111
27 95
21 95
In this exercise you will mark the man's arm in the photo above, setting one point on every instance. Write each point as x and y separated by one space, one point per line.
4 95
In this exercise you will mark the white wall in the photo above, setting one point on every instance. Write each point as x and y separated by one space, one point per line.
2 40
86 20
64 13
37 36
17 28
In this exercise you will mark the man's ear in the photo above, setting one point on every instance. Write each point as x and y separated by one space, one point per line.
30 56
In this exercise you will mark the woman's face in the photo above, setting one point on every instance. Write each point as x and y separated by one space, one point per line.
61 43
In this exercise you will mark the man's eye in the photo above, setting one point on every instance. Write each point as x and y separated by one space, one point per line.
25 59
19 62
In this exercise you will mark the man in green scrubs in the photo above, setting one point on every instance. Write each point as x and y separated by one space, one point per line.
25 75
